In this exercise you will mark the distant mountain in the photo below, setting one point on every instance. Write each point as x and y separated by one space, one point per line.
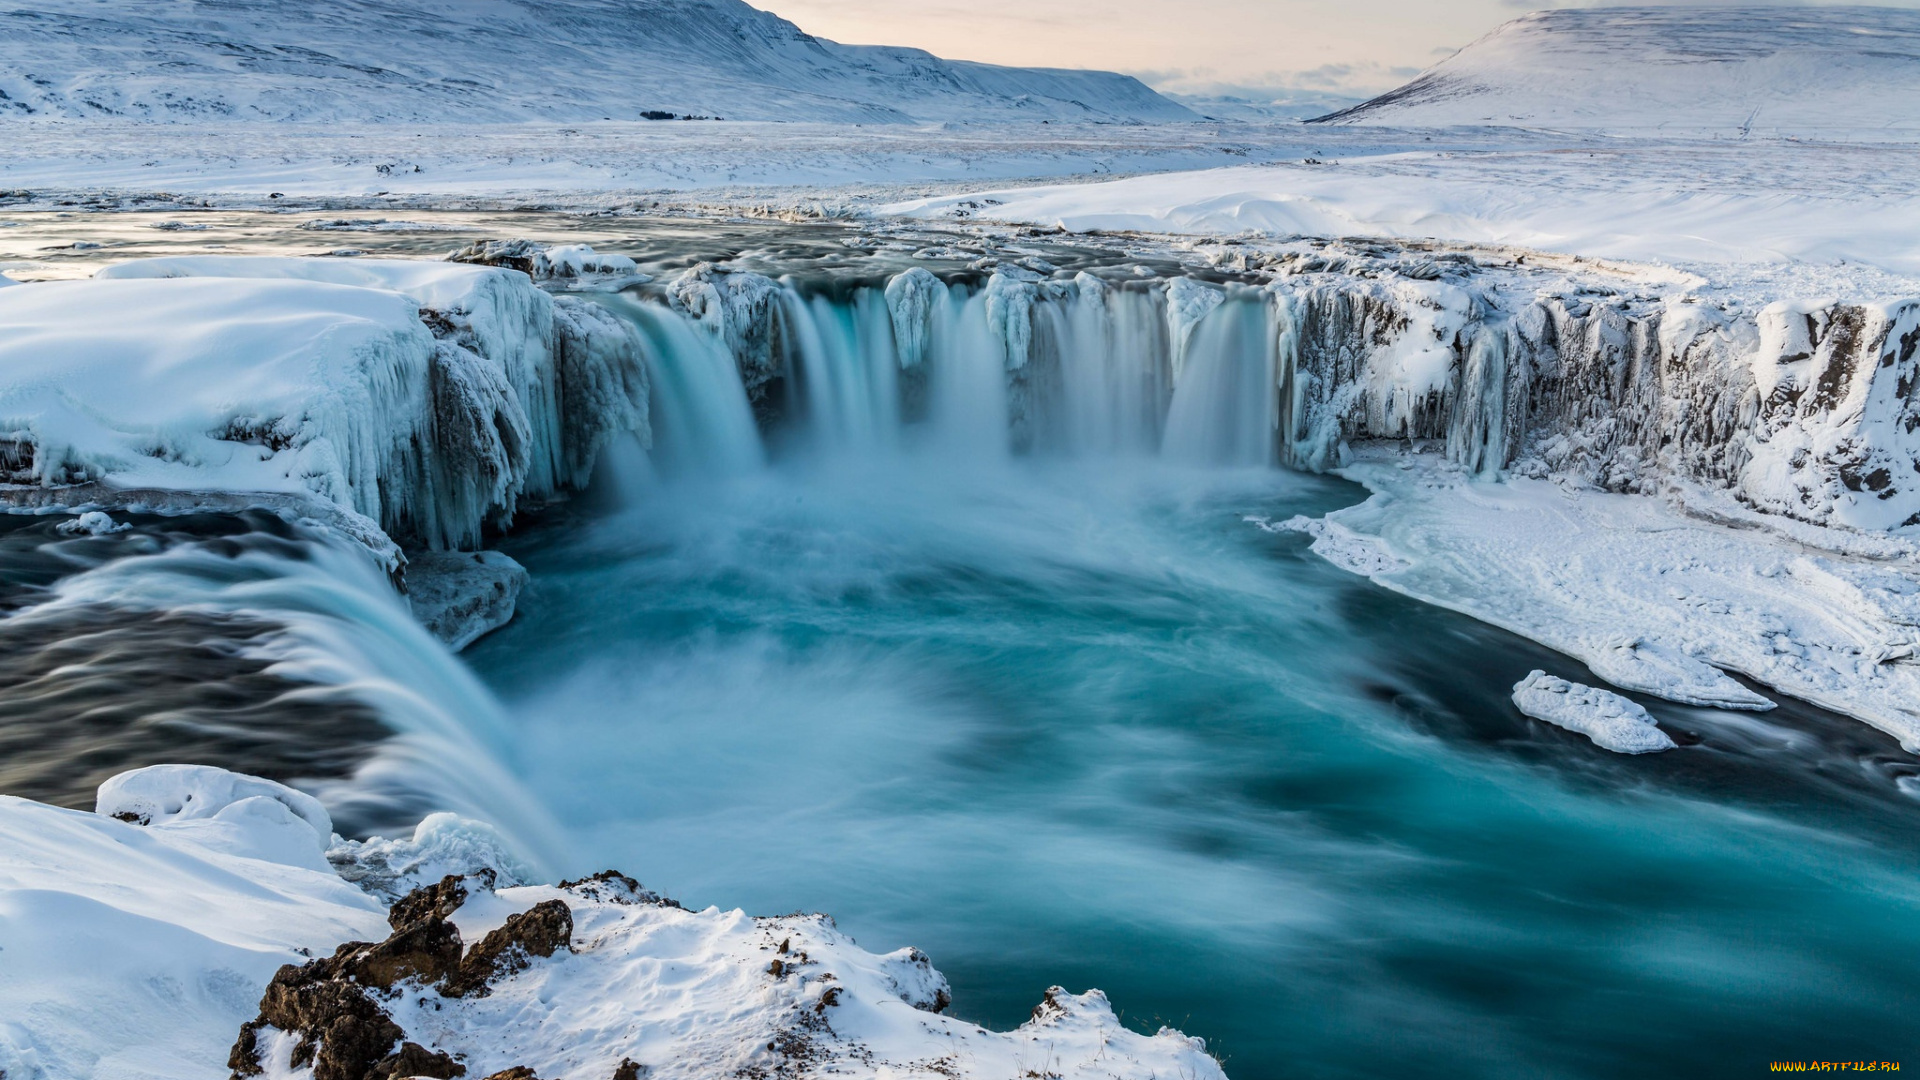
505 61
1842 72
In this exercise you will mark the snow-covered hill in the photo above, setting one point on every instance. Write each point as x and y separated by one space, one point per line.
1821 72
504 61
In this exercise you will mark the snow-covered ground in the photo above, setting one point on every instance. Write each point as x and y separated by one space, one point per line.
138 939
1756 205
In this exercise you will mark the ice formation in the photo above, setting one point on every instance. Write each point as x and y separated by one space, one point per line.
1611 721
143 945
425 397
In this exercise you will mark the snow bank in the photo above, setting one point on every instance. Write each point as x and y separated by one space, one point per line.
1611 721
141 951
278 386
1648 206
1658 595
136 951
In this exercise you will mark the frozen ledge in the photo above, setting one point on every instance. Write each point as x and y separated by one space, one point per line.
197 914
1648 593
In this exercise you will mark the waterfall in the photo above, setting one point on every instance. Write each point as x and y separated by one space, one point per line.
1225 404
701 420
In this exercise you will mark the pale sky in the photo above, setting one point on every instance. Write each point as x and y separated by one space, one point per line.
1352 47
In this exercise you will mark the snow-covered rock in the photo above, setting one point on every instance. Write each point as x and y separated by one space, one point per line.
1611 721
143 950
1727 71
566 61
600 978
461 596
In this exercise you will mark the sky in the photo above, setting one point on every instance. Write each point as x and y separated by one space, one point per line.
1293 48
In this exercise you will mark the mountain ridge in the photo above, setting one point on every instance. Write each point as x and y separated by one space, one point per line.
1776 71
506 61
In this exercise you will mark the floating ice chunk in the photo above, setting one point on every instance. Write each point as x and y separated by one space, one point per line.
92 523
164 794
1611 721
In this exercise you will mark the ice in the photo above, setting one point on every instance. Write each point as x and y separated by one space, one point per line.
425 397
1611 721
911 297
441 844
276 386
1649 593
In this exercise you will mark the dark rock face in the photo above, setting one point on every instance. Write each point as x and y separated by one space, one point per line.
334 1004
523 255
542 930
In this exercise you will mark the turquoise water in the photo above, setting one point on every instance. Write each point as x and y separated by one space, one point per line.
1080 723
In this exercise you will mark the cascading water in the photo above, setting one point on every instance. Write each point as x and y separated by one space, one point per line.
986 660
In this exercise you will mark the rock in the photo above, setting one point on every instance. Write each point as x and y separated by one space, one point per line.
461 596
541 930
332 1004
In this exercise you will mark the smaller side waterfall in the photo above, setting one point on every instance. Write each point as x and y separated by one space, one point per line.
1225 408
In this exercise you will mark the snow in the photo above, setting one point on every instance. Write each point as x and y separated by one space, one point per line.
1611 721
505 61
423 397
1726 71
93 523
1661 595
172 794
136 952
139 950
1645 202
691 994
273 386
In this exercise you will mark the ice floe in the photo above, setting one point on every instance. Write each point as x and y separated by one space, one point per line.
1611 721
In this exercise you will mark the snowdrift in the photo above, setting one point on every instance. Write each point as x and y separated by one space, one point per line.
506 61
1725 72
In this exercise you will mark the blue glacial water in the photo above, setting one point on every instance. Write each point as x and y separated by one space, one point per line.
1079 723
